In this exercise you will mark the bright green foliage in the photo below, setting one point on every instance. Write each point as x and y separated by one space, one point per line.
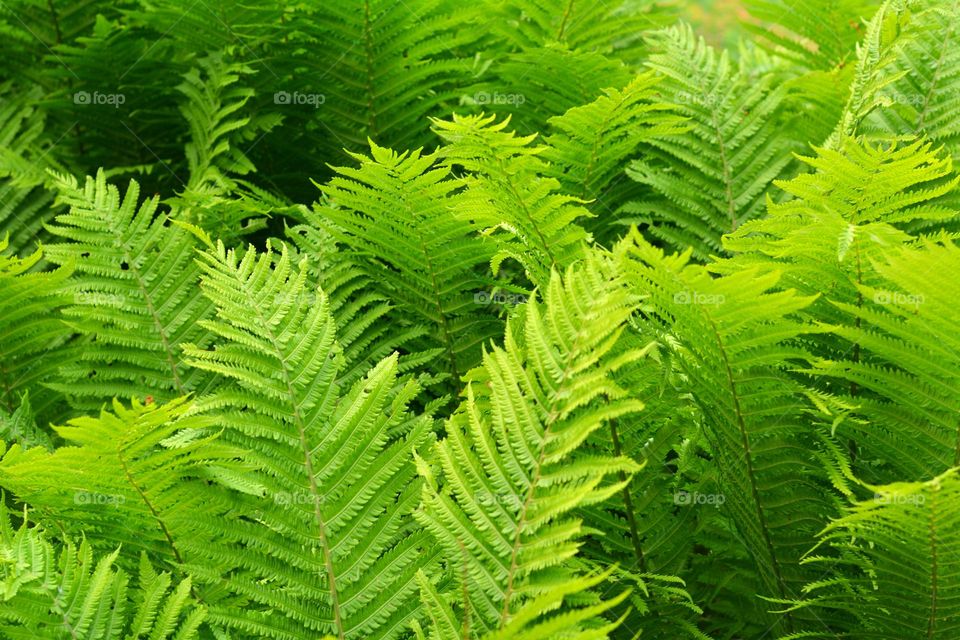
902 542
24 204
68 595
333 531
510 460
586 26
905 373
136 477
712 179
30 330
132 306
591 144
507 195
363 315
489 320
753 418
21 428
395 211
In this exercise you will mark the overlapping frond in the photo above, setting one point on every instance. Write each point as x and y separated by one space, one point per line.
67 593
33 336
589 146
396 212
735 341
363 313
892 561
904 374
923 99
139 477
508 479
509 193
134 291
711 179
24 203
333 548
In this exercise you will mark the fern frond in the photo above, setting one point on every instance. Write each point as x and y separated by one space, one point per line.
365 329
332 548
509 475
24 202
585 26
508 192
395 211
905 368
405 64
892 570
533 85
589 145
859 203
923 99
137 477
219 132
875 69
135 294
818 34
713 178
735 341
20 427
32 333
65 594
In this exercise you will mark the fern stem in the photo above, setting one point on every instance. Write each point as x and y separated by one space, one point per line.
751 473
149 504
934 570
628 502
725 164
307 464
563 23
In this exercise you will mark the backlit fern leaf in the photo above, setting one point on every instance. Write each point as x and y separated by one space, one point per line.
135 295
509 194
395 212
332 547
137 477
891 562
510 474
65 594
711 179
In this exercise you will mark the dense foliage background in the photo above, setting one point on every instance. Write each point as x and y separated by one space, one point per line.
531 319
